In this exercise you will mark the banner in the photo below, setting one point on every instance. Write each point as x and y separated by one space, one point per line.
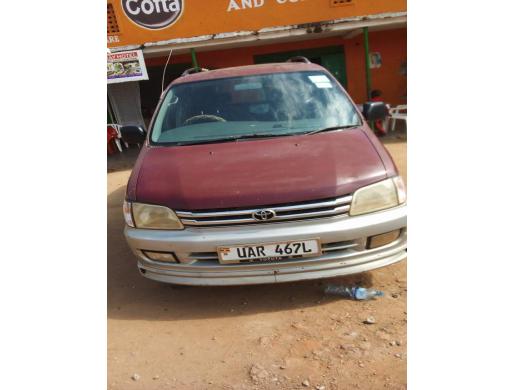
136 22
126 66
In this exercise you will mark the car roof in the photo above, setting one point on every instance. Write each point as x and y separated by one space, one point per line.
248 70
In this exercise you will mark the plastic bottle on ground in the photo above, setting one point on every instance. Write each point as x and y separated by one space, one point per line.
357 293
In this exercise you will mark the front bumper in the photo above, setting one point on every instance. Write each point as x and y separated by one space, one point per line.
196 249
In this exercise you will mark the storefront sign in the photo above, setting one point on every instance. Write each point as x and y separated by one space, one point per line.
153 14
126 66
113 39
236 5
143 21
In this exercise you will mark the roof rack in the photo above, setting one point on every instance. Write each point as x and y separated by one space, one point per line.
193 71
299 59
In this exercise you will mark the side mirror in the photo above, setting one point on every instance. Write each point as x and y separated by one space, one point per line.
375 111
133 134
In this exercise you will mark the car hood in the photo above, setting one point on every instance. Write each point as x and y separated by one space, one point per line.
256 172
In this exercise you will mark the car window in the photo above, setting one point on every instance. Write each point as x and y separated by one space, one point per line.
275 104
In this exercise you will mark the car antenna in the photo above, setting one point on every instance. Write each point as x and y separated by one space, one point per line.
164 71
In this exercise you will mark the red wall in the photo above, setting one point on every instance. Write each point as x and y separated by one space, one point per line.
388 78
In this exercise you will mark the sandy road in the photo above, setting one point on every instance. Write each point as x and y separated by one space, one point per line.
251 337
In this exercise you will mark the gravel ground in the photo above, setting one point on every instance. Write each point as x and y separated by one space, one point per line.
284 336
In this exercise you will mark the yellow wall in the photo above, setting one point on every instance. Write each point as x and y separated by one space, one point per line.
203 17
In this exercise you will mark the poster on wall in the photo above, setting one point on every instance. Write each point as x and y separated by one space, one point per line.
126 66
375 60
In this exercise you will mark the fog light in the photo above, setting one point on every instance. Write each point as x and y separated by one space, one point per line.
382 239
168 257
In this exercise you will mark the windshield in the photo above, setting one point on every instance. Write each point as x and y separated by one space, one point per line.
277 104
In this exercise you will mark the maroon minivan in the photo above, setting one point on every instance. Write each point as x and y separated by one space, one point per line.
261 174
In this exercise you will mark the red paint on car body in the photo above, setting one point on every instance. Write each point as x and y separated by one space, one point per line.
248 70
258 172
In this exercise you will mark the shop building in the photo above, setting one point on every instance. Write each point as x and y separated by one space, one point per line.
362 42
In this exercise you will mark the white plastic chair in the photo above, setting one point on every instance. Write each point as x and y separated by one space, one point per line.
118 141
398 113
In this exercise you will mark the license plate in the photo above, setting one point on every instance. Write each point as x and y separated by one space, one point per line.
267 252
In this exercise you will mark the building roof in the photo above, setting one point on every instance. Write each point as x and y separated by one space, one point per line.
247 71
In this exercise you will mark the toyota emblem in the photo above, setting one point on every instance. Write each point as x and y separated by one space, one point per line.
264 215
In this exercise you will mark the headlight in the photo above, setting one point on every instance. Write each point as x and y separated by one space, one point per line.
378 196
148 216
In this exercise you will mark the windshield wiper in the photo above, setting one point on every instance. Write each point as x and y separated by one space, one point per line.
229 139
262 135
202 142
257 135
330 129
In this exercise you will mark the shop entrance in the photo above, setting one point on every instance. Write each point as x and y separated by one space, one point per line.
330 57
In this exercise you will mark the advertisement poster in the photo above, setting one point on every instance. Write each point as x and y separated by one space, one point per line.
375 60
126 66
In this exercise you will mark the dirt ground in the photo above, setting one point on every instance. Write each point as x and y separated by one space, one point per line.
283 336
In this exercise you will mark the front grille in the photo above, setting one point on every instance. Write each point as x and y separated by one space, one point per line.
290 212
329 248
